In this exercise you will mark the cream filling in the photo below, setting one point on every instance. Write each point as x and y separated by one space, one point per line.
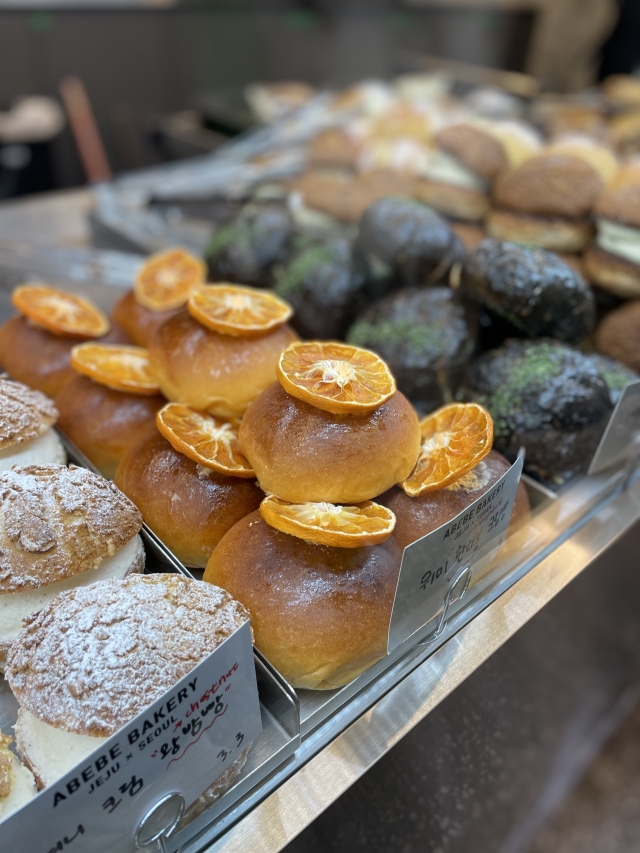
14 606
619 240
446 169
23 789
51 752
47 448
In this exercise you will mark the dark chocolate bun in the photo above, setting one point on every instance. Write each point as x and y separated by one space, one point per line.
320 615
547 397
415 517
139 322
104 423
189 507
534 291
39 358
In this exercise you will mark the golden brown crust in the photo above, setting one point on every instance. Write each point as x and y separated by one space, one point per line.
612 273
40 359
333 147
346 197
618 334
217 373
415 517
24 414
99 655
552 233
621 205
103 423
301 453
190 508
58 522
450 200
139 322
560 185
474 148
320 615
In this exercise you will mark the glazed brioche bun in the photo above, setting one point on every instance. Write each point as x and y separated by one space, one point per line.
220 374
103 423
139 323
39 358
189 507
415 517
553 233
301 453
320 615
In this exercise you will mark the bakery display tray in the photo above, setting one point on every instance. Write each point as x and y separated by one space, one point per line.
310 718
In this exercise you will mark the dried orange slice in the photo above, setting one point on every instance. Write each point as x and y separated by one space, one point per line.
59 312
166 280
123 368
243 312
454 439
355 526
211 442
338 378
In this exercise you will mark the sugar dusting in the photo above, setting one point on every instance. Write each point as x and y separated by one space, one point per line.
24 414
99 655
56 522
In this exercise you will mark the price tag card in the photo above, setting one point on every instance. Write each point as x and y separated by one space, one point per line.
615 444
430 564
181 743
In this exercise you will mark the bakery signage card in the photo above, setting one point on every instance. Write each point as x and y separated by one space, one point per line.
616 443
181 743
430 564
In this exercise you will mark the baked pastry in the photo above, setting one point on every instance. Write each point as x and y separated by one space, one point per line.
325 283
417 516
248 247
547 201
468 158
300 451
139 322
618 334
61 528
271 101
613 262
320 614
17 785
546 396
107 414
188 506
221 371
532 291
74 692
415 244
40 355
426 336
27 418
615 374
334 147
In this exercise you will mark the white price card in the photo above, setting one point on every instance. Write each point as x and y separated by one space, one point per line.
430 564
624 423
181 743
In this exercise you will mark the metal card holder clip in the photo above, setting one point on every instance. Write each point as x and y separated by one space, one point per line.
457 590
160 822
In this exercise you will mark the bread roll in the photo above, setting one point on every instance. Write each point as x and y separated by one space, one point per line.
415 517
39 358
189 507
104 423
220 374
319 614
139 323
301 453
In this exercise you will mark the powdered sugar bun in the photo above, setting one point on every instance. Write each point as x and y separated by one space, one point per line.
99 655
24 413
57 522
